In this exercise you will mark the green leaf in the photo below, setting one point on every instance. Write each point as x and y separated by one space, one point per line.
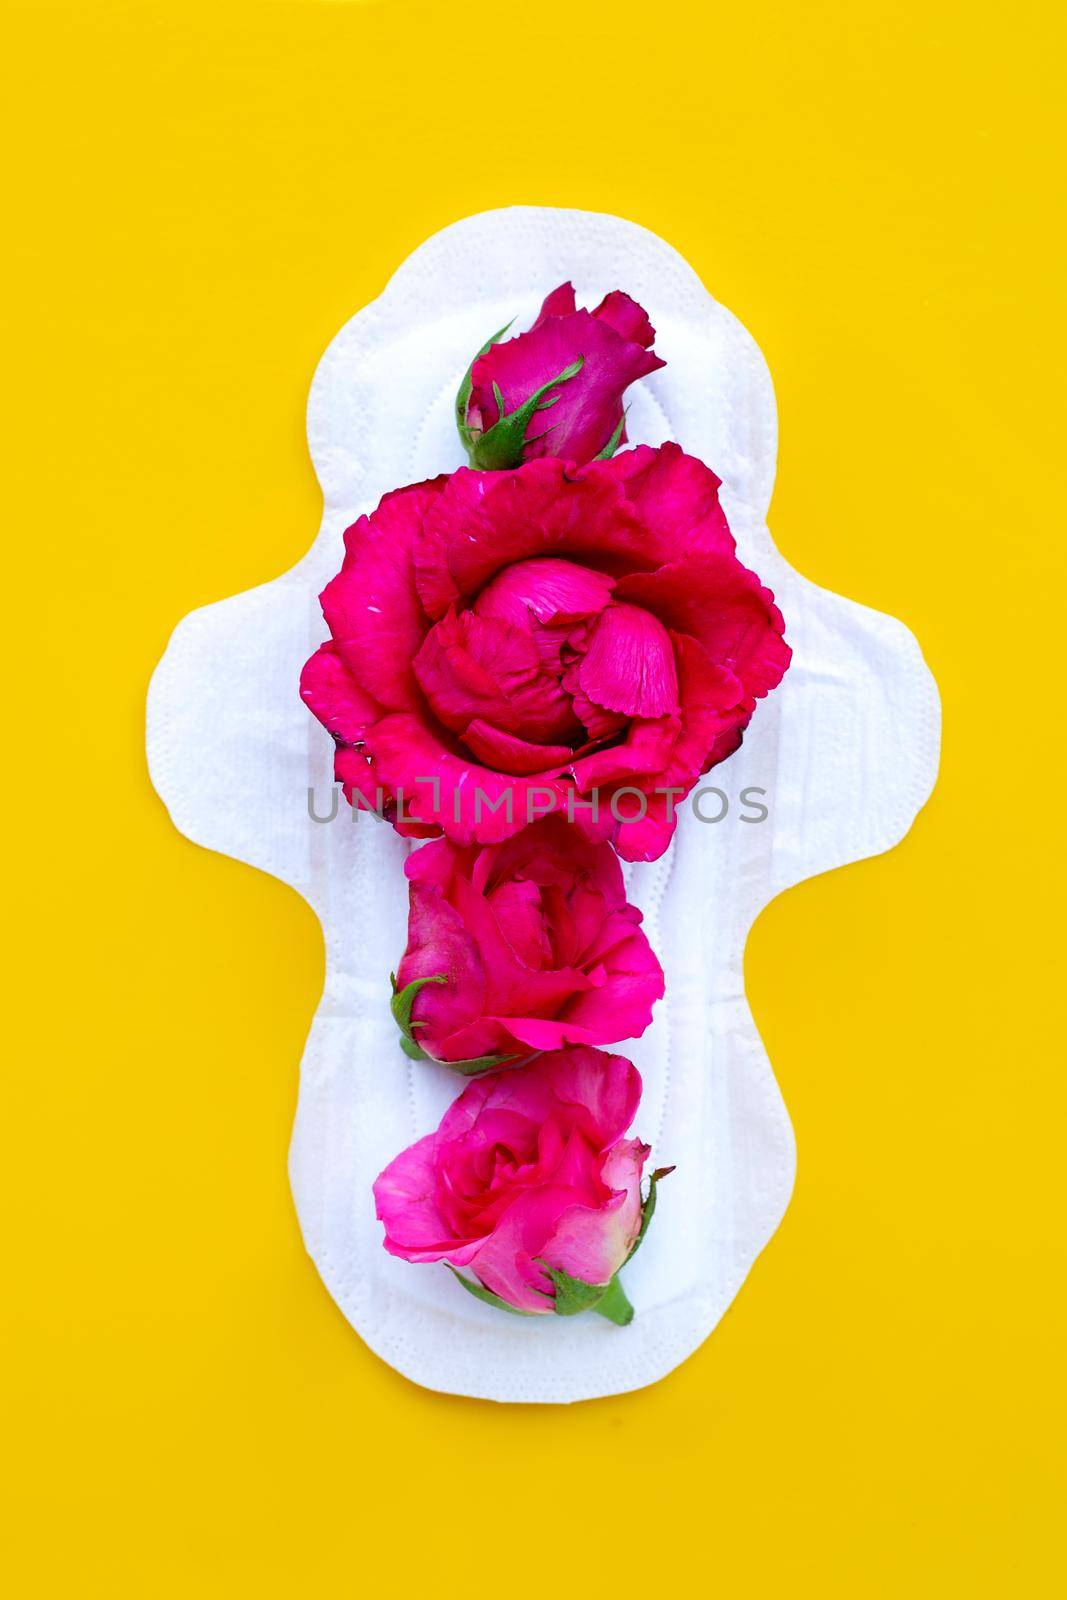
412 1049
403 1000
501 446
648 1208
487 1295
464 392
614 1305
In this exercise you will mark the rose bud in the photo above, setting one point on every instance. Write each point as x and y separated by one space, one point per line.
530 1186
521 946
557 389
552 638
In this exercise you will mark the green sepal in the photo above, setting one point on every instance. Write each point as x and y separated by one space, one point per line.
606 1299
476 1065
613 443
501 446
471 1068
463 393
614 1305
403 1000
487 1295
400 1005
648 1208
573 1294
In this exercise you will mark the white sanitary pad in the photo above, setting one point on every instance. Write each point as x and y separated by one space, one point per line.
846 751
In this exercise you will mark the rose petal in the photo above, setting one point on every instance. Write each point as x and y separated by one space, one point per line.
483 522
506 752
644 752
621 1007
520 918
676 497
474 668
512 987
372 606
438 943
545 589
467 801
405 1199
505 1262
599 1092
366 793
626 317
592 1243
646 836
741 628
560 303
628 665
331 693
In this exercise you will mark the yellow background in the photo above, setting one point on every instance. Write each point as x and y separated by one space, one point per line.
201 196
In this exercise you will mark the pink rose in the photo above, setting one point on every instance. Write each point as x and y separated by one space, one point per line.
507 644
529 1183
556 390
532 944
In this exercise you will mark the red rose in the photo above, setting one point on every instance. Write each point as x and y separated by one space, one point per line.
531 1184
521 946
556 390
510 643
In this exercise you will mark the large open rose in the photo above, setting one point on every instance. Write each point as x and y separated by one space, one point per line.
522 946
530 1184
547 638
